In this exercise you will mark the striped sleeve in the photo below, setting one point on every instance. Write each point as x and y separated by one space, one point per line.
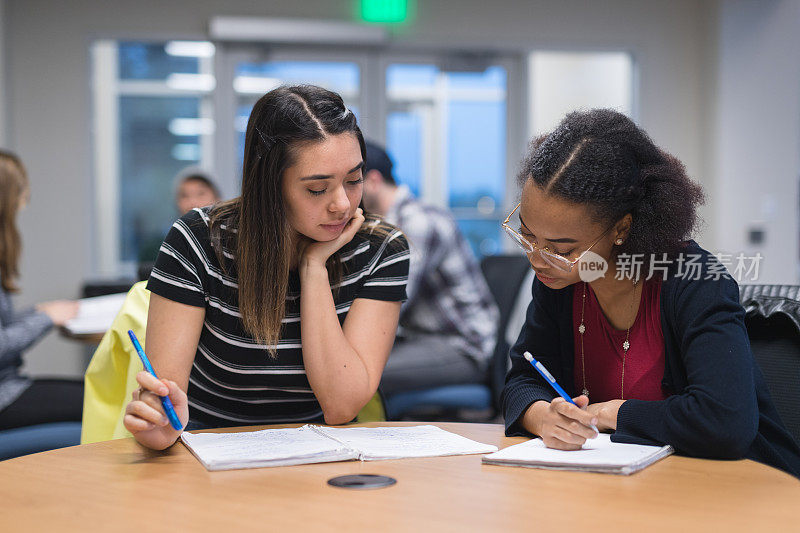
388 272
179 270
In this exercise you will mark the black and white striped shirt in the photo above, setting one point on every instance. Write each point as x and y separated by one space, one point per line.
233 380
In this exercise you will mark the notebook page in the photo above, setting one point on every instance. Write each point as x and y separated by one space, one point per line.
269 447
95 315
402 442
598 454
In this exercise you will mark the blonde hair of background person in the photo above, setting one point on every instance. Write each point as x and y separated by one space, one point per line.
223 329
14 192
24 401
14 195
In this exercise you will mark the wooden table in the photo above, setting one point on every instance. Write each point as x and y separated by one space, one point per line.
118 486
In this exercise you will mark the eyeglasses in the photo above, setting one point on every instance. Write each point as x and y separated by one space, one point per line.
551 258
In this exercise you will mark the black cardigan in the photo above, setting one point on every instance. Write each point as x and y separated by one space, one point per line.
720 407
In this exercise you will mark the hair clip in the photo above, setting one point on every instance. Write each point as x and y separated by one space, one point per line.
266 143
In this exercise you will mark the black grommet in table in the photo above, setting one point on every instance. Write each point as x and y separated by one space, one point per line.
362 481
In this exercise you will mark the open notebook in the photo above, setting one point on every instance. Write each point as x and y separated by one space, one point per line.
318 444
597 455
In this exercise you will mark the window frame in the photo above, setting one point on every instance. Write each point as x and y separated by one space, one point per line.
108 89
219 150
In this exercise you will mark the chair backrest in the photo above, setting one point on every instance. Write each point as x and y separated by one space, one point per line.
504 274
773 325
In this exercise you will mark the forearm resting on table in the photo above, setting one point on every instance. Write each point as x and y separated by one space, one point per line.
605 412
336 372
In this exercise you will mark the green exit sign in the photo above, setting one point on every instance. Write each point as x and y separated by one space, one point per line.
384 11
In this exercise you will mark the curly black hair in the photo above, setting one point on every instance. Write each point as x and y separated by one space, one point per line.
601 159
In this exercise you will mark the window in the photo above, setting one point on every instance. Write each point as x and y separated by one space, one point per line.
252 79
446 132
160 107
153 118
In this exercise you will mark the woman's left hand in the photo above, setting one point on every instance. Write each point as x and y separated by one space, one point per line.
606 413
316 253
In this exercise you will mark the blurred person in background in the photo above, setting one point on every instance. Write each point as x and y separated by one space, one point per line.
194 187
448 325
25 401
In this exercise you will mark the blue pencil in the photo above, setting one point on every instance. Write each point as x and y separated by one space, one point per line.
165 401
548 377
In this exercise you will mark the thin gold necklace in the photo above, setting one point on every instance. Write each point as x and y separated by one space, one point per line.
625 345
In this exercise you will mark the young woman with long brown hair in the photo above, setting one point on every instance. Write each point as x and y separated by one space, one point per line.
282 304
25 401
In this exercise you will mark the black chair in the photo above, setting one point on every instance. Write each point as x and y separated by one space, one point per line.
773 325
504 274
94 288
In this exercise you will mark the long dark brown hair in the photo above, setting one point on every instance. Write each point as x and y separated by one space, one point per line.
13 188
280 122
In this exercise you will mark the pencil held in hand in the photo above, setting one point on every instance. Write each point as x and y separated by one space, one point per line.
166 403
548 377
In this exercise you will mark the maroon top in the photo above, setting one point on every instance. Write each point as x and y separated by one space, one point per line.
644 363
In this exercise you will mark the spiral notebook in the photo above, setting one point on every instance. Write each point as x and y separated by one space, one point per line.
320 444
597 455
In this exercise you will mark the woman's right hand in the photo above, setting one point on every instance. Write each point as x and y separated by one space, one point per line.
560 424
317 252
145 417
59 311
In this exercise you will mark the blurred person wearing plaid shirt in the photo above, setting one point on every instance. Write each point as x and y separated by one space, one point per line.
448 325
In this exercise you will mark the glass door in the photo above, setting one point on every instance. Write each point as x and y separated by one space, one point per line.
446 131
444 123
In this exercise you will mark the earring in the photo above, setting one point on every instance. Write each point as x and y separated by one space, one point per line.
618 242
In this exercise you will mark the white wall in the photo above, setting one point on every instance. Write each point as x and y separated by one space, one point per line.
757 149
560 82
50 102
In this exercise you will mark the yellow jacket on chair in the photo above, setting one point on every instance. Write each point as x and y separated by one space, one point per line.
111 376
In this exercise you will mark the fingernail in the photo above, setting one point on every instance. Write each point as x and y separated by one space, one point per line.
163 391
594 421
164 420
